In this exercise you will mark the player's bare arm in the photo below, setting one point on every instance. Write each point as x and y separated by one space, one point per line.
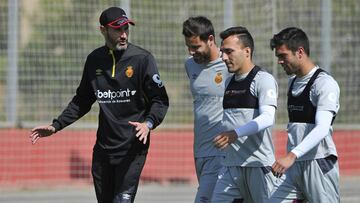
282 164
142 130
41 131
224 139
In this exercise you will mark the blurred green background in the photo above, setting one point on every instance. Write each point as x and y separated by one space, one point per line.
53 39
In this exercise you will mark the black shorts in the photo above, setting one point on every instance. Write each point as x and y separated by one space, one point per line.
117 180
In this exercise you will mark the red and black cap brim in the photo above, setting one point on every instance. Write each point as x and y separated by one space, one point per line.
120 22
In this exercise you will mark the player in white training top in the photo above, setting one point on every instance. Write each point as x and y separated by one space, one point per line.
207 75
310 166
250 101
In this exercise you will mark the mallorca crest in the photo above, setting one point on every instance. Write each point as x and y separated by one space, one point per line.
129 71
218 78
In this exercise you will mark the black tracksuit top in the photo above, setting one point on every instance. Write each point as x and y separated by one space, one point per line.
127 86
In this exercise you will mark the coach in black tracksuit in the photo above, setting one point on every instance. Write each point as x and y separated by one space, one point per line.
124 80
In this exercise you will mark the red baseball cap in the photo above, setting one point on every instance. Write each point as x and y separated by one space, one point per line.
114 17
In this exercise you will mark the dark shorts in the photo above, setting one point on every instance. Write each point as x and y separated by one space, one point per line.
117 180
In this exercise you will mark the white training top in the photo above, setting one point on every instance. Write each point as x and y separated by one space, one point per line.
255 150
207 84
313 141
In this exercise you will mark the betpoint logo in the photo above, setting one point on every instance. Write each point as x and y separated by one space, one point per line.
114 94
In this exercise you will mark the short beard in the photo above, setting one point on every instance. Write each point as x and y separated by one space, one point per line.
203 59
115 45
120 47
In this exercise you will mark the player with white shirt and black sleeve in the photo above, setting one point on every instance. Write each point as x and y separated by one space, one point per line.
207 76
250 101
310 167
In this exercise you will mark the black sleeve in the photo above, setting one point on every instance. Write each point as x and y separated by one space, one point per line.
79 105
155 92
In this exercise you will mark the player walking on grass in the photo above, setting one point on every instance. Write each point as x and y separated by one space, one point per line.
310 166
207 75
250 101
124 80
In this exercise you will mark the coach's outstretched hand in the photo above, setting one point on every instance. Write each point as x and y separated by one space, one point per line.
41 131
142 130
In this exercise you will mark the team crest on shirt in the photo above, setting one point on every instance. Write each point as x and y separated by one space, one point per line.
218 78
129 71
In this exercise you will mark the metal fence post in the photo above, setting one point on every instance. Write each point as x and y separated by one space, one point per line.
228 14
326 18
12 70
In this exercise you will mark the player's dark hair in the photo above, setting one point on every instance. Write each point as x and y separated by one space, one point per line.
293 38
198 26
242 34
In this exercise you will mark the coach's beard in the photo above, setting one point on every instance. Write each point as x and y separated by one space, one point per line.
120 47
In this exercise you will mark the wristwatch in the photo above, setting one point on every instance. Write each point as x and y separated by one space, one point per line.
149 125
